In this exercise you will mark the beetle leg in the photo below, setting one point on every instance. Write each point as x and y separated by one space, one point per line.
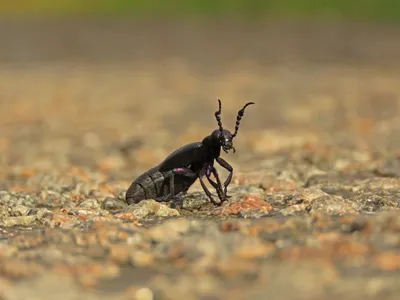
217 185
171 188
177 171
209 170
187 172
214 170
206 190
208 193
227 166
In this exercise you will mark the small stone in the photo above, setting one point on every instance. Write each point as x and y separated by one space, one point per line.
144 294
113 204
127 217
165 211
60 219
333 205
317 201
195 200
121 196
19 221
141 258
306 197
119 253
20 210
89 204
5 197
139 293
41 213
247 207
150 207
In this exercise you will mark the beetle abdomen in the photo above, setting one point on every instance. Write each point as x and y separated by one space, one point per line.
135 193
149 185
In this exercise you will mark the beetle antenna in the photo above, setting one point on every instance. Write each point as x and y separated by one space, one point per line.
217 116
239 117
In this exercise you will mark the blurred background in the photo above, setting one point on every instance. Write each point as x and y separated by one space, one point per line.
83 80
373 10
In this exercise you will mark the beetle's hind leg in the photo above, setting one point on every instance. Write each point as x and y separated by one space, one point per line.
171 174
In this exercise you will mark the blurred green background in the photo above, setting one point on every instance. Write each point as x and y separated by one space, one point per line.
362 10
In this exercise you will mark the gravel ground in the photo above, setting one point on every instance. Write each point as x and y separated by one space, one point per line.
314 212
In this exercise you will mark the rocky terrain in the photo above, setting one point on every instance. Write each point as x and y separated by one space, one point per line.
85 109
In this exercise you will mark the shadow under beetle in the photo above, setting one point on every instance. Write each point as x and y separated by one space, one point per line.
183 167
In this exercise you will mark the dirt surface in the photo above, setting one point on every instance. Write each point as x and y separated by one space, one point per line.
86 108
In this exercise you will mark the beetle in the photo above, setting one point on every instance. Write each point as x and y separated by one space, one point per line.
177 173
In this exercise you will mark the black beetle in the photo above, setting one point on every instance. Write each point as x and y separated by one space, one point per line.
181 168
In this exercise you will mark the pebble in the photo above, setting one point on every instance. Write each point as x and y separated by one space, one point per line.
19 221
140 258
247 207
194 201
112 204
146 208
90 204
19 210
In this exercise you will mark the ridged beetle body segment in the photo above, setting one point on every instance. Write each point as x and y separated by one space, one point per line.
146 186
157 185
177 173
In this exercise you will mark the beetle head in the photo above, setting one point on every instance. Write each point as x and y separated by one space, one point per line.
223 136
224 139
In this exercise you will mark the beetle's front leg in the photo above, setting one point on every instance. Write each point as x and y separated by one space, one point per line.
217 185
227 166
206 190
